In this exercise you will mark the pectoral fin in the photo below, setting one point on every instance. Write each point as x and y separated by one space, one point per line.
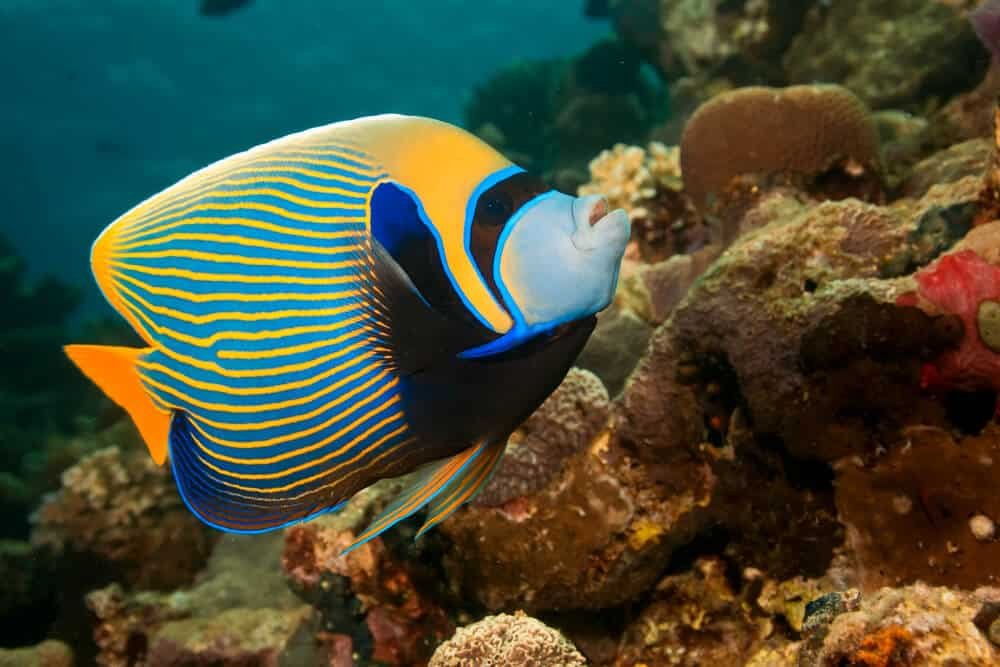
444 485
113 370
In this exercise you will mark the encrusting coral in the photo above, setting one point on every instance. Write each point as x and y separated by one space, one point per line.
239 612
119 512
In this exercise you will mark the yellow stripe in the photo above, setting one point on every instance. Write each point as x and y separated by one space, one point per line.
209 341
296 349
199 297
270 389
418 499
484 464
133 226
167 199
372 168
264 372
221 258
233 277
236 315
186 191
255 391
393 416
242 222
306 480
236 239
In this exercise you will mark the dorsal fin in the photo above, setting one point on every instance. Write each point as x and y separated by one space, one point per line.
113 370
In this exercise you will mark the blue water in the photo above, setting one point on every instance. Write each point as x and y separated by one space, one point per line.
104 102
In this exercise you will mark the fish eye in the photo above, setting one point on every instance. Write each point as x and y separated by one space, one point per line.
498 207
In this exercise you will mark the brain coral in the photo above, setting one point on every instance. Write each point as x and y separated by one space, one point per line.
800 129
507 641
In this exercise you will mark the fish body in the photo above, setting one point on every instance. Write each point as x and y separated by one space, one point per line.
343 305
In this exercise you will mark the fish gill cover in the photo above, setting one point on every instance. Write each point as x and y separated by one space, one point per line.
779 445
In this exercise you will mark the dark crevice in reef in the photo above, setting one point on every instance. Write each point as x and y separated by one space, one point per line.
711 541
971 411
801 474
717 388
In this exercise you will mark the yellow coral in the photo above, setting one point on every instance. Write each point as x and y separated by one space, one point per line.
643 532
631 176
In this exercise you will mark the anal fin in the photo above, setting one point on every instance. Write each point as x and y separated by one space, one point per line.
463 487
443 486
113 370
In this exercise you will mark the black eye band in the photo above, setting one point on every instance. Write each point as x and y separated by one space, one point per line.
494 210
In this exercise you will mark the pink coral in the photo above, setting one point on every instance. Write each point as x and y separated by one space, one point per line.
960 284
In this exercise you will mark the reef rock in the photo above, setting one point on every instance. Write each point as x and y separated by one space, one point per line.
380 601
240 611
741 40
507 641
592 531
47 654
619 339
908 514
914 626
120 513
695 618
931 51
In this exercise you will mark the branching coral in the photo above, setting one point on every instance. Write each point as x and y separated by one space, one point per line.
646 182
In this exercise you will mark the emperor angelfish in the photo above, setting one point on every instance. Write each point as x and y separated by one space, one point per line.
349 303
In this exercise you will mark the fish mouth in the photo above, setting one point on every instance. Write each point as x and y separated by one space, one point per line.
596 225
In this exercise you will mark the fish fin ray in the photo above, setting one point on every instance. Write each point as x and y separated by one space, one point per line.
427 484
113 370
226 509
464 486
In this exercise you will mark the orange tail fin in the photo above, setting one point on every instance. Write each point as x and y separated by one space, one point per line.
113 370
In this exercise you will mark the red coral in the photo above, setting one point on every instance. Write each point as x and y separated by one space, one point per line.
957 284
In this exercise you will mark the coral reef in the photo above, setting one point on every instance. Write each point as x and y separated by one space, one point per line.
594 535
647 184
42 397
802 130
238 612
695 618
553 116
908 514
779 446
47 654
381 603
931 51
737 40
615 347
505 640
916 625
118 512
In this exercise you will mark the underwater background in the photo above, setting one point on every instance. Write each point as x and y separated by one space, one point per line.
779 447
